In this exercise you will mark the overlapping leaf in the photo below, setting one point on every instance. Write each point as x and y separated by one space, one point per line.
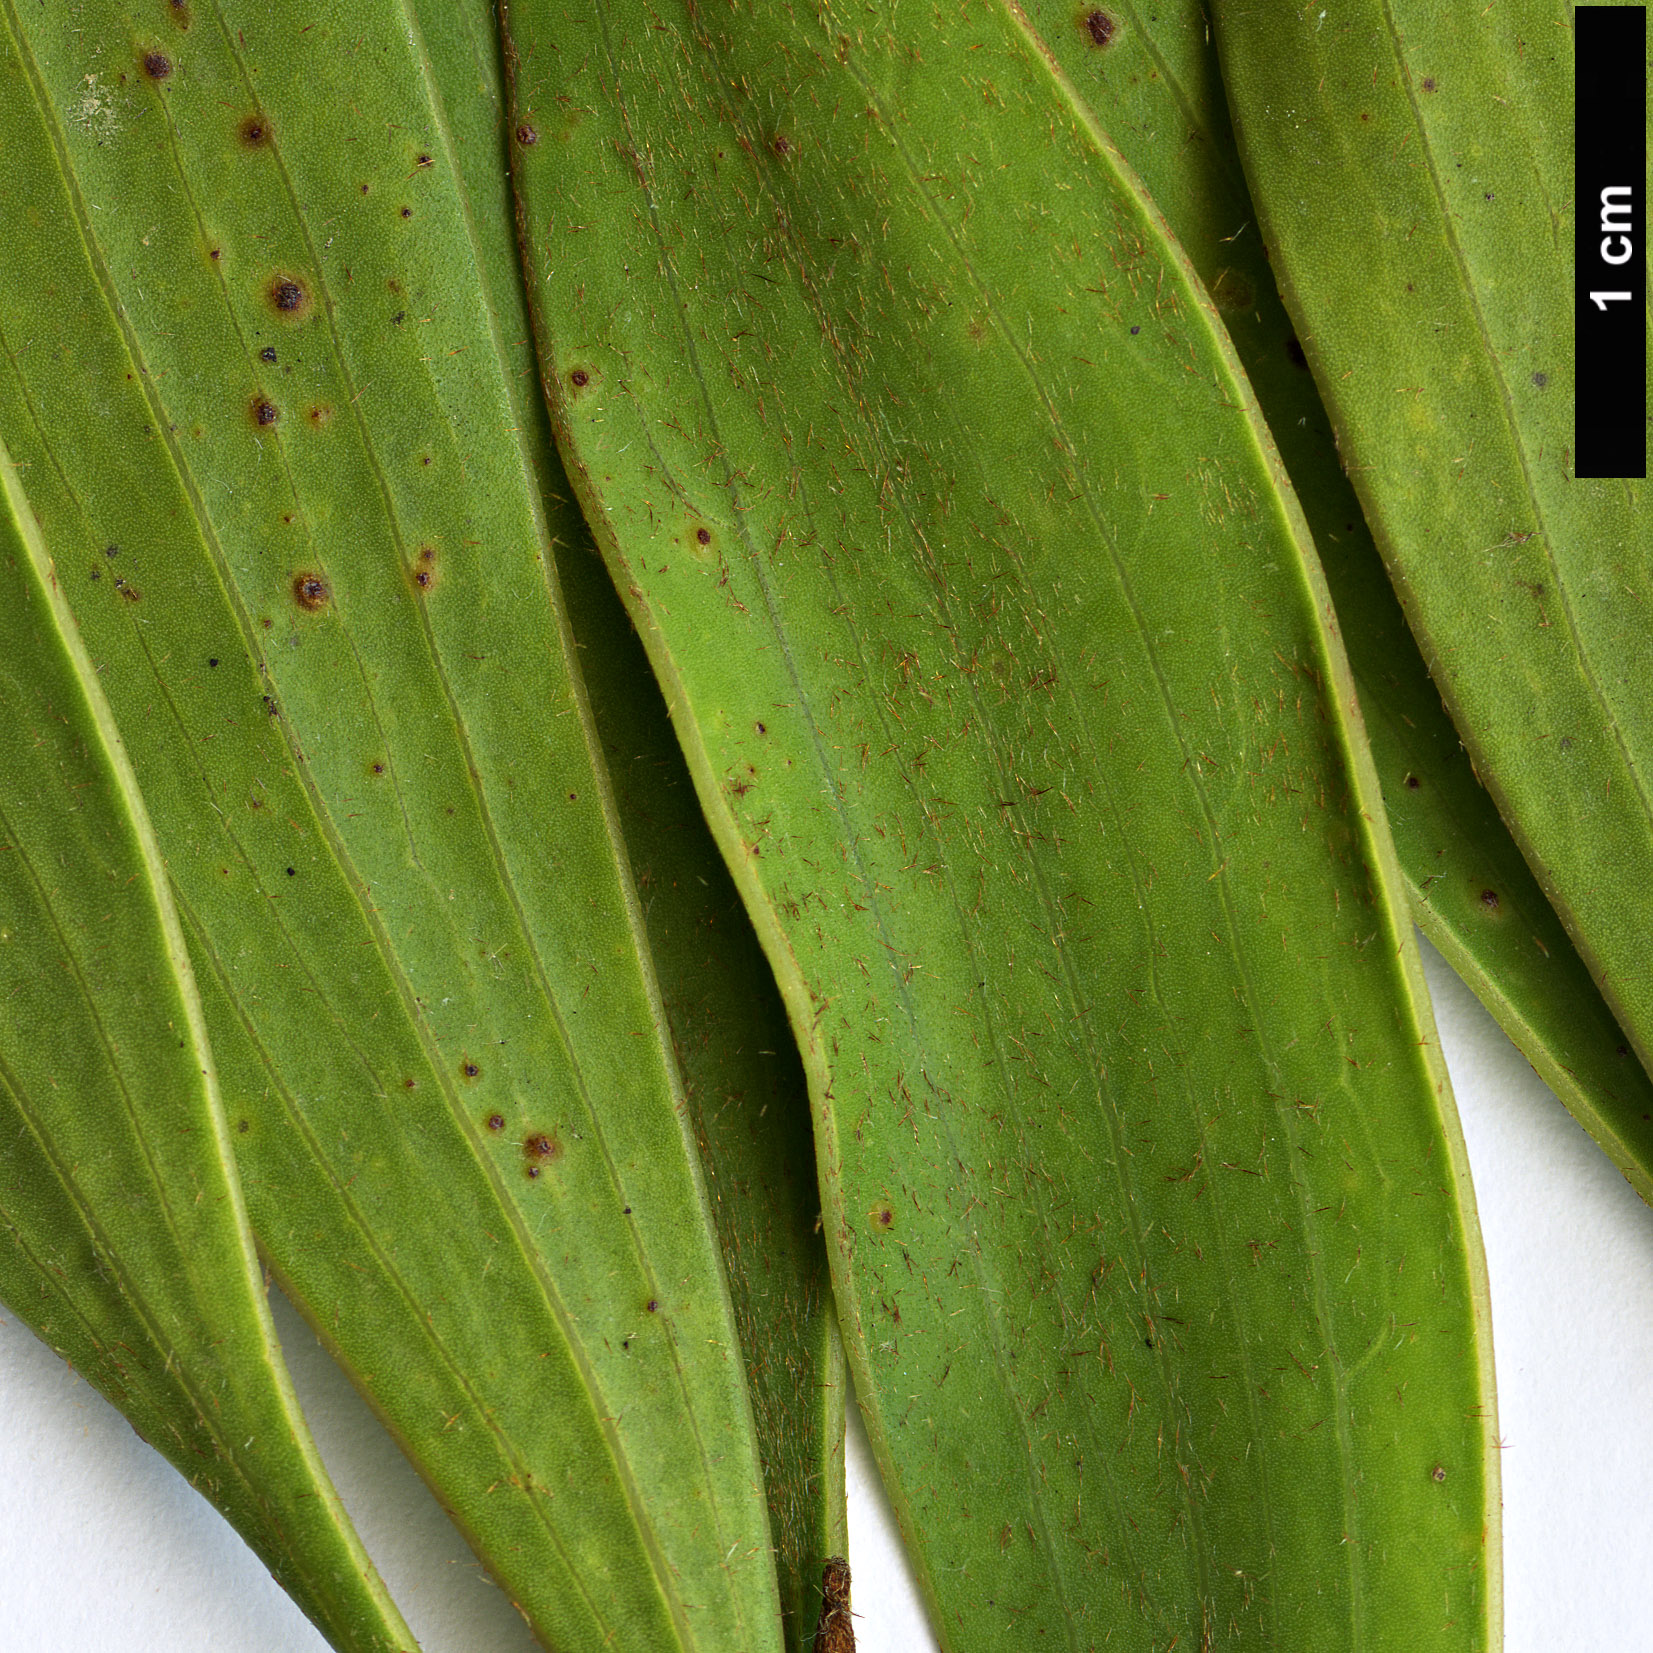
123 1239
250 360
742 1078
1412 168
1000 664
1152 76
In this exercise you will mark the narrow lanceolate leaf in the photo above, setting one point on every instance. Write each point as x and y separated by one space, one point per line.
746 1092
250 357
742 1078
1412 167
1151 75
998 657
123 1239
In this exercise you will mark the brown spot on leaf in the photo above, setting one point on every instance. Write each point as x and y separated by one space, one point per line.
579 378
496 1122
289 297
254 131
321 414
704 535
1100 27
264 411
882 1217
781 144
470 1070
527 136
157 65
1489 900
541 1146
1429 83
310 592
1412 783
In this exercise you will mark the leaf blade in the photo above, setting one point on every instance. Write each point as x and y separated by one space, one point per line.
762 400
129 1249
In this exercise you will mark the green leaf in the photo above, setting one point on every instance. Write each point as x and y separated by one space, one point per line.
998 659
1156 88
746 1092
249 349
123 1239
743 1080
1413 174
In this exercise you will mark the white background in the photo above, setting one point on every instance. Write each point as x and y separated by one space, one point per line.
103 1547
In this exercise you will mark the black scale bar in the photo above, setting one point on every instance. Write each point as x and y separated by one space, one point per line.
1610 242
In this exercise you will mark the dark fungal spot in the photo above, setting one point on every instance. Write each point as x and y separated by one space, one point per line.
424 569
704 535
782 145
1413 783
424 160
244 1126
533 1172
111 550
310 592
626 1212
1100 27
1489 900
410 1084
157 65
1540 380
292 872
321 414
399 317
407 212
496 1122
1135 331
763 729
289 297
267 354
1294 350
470 1070
540 1146
527 136
216 254
882 1217
254 131
653 1305
212 662
579 378
180 12
1438 1473
1429 83
264 411
1147 1343
377 767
